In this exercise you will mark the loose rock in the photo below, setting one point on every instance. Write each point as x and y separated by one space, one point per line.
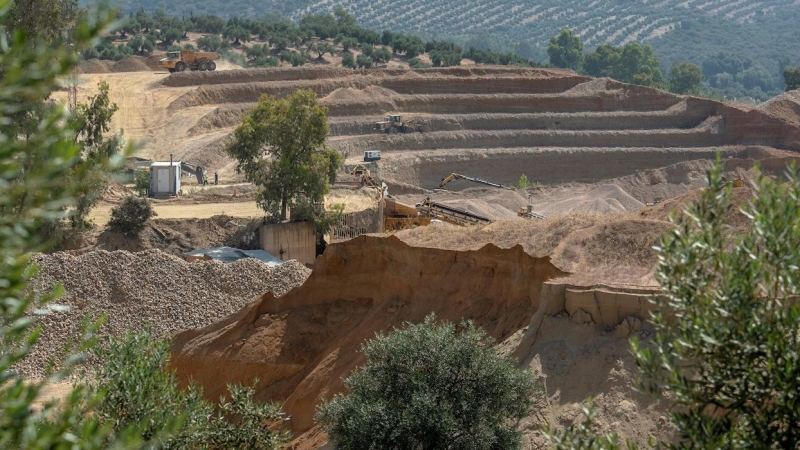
149 288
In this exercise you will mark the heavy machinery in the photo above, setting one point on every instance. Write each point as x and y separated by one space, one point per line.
527 211
364 176
396 124
451 214
456 176
187 59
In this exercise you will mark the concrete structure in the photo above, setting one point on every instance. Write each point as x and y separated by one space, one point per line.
292 240
165 178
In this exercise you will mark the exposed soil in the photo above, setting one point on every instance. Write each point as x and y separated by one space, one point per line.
561 294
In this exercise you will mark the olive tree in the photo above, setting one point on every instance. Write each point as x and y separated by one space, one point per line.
727 348
430 386
280 147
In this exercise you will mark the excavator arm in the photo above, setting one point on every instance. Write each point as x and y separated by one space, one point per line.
456 176
449 178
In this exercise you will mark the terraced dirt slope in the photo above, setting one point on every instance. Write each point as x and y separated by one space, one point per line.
553 125
490 122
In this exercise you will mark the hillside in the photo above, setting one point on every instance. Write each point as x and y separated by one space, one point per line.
678 29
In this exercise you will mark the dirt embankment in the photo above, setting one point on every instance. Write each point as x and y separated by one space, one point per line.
318 73
301 345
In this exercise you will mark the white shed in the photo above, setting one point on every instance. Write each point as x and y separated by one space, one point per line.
165 179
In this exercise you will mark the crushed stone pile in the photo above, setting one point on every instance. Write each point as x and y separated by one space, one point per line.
149 288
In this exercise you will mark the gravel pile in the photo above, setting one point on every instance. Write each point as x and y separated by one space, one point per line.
149 287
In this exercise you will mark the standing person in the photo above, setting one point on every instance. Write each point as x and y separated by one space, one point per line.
216 179
205 178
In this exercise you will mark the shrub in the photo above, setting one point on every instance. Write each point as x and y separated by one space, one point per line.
416 63
138 359
131 216
430 386
142 180
364 61
348 60
523 182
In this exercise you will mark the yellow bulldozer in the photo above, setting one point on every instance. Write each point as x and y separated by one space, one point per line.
396 124
187 59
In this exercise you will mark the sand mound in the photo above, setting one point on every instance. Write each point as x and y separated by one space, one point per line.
154 61
785 106
148 288
95 66
132 64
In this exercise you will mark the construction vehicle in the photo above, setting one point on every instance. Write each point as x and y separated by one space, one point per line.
396 124
451 214
364 176
526 212
456 176
187 59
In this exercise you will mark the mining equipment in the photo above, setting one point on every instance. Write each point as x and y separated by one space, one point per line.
372 155
526 212
187 59
364 177
396 124
451 214
456 176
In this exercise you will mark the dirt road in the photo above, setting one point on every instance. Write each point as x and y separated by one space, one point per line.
101 215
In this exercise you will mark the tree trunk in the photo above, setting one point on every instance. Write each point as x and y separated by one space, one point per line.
283 208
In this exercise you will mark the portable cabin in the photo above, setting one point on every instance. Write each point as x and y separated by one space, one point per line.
372 155
165 178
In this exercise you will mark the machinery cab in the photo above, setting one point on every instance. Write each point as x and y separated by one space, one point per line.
170 61
395 120
382 126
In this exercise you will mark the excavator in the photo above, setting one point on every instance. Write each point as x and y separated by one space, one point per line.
456 176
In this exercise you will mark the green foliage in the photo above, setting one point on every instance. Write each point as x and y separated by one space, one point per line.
31 196
791 77
364 61
382 55
726 349
212 43
130 216
47 20
294 58
685 78
138 359
416 63
603 61
430 386
523 182
142 181
292 131
566 50
638 65
348 60
169 35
